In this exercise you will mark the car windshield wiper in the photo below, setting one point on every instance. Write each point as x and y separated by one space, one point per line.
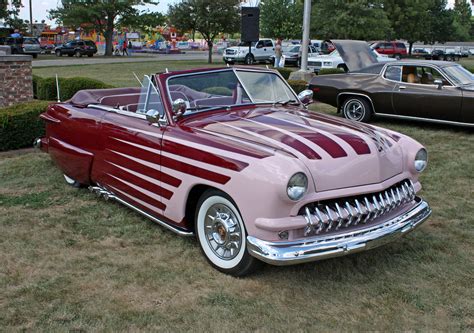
288 101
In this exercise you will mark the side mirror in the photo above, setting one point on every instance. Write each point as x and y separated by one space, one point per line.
439 83
153 116
306 97
179 107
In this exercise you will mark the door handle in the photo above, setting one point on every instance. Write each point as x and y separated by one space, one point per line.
402 87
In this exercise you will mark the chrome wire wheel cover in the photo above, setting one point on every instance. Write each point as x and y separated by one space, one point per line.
222 231
354 110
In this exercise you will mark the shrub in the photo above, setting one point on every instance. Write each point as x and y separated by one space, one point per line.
285 72
325 71
20 124
36 79
298 85
46 89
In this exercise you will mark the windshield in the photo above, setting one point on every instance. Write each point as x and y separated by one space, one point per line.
30 41
209 90
459 75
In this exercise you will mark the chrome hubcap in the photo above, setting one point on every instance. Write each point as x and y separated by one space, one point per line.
223 233
354 110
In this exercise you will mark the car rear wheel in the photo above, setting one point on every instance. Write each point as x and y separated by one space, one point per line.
357 109
249 59
221 234
71 181
35 55
398 56
78 54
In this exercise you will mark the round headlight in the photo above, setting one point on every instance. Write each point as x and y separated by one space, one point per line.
297 186
421 160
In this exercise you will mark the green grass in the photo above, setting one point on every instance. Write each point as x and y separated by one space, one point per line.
121 74
70 261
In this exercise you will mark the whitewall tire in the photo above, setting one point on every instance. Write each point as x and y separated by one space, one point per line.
221 234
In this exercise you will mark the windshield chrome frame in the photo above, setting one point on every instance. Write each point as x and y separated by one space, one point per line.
235 70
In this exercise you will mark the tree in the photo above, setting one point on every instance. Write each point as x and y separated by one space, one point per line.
275 21
208 17
143 21
462 20
100 15
9 13
357 19
427 21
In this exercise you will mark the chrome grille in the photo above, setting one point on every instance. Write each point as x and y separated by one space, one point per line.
314 63
335 214
230 52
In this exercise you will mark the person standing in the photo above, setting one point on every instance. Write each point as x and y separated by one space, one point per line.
124 47
278 52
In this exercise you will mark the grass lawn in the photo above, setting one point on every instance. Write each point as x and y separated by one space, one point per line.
70 261
121 74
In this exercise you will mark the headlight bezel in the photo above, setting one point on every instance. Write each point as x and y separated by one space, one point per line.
297 186
421 160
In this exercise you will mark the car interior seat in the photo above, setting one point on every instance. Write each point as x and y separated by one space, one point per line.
427 78
411 78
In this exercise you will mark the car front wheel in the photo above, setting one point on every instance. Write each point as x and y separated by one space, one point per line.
357 109
78 54
221 234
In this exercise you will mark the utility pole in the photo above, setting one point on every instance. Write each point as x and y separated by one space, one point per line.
303 73
31 18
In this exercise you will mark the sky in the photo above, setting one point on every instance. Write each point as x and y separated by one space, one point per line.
41 7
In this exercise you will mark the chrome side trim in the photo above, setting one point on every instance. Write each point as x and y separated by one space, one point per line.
357 94
122 112
328 246
107 195
435 121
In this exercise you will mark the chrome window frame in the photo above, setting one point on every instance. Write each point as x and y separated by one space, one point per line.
234 70
384 69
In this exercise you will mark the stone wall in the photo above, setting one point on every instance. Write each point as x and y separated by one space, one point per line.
16 82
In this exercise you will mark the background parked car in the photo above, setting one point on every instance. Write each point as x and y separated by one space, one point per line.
448 55
22 45
396 50
292 54
76 48
419 53
263 50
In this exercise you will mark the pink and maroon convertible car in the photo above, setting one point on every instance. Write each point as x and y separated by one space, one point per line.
233 156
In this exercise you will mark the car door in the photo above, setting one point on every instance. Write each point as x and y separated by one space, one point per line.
130 163
258 52
268 49
68 48
418 96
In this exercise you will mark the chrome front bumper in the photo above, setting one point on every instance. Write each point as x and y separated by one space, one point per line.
328 246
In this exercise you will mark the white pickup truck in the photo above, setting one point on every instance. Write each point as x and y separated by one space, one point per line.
261 51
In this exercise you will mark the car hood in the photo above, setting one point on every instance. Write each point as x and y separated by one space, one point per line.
356 54
337 153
